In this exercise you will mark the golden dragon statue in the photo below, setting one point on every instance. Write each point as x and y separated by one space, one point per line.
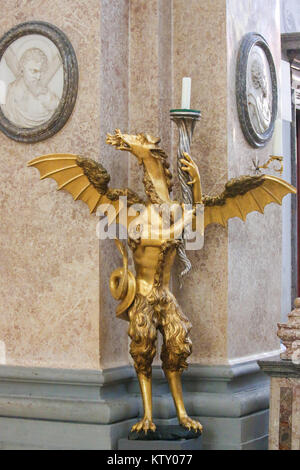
146 301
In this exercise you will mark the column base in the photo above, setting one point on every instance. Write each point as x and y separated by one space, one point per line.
43 408
28 434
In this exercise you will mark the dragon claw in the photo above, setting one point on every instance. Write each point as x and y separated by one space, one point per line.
190 423
144 425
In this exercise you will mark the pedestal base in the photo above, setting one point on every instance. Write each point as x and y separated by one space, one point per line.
169 432
181 444
83 409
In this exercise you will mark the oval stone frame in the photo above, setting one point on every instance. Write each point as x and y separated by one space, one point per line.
70 82
254 138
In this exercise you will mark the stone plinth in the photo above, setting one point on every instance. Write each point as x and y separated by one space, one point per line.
46 408
284 424
181 444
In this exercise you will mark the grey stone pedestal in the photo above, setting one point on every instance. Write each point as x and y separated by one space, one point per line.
94 409
182 444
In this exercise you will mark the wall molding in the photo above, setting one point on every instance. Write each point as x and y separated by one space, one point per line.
277 367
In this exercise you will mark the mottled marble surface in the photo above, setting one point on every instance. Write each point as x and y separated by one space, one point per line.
150 75
284 427
114 99
254 248
49 254
199 52
57 308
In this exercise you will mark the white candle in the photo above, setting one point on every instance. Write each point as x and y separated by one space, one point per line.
186 93
277 139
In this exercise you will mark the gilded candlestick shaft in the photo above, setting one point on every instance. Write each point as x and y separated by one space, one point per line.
186 121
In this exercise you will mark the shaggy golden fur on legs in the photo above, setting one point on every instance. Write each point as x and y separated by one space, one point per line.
142 331
159 310
174 327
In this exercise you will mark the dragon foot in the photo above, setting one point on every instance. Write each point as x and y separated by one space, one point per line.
190 423
144 425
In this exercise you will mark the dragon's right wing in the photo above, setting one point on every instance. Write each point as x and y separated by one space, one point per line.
67 170
85 180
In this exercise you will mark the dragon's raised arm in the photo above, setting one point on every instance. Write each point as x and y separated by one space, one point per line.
85 179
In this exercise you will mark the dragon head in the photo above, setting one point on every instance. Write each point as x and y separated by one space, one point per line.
139 145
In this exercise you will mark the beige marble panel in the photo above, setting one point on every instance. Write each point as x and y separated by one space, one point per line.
274 414
49 255
254 247
150 89
199 52
276 384
114 114
296 417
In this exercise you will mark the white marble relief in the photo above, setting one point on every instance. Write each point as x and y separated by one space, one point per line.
259 90
31 69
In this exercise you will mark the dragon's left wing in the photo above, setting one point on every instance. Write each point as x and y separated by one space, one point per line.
244 195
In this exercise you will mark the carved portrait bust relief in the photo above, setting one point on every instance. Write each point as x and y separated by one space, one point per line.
31 69
259 90
256 90
38 81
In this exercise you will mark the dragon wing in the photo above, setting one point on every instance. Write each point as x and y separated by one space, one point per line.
244 195
84 179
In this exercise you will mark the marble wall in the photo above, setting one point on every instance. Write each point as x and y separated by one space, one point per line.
202 31
150 78
254 248
233 294
114 113
56 309
49 253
